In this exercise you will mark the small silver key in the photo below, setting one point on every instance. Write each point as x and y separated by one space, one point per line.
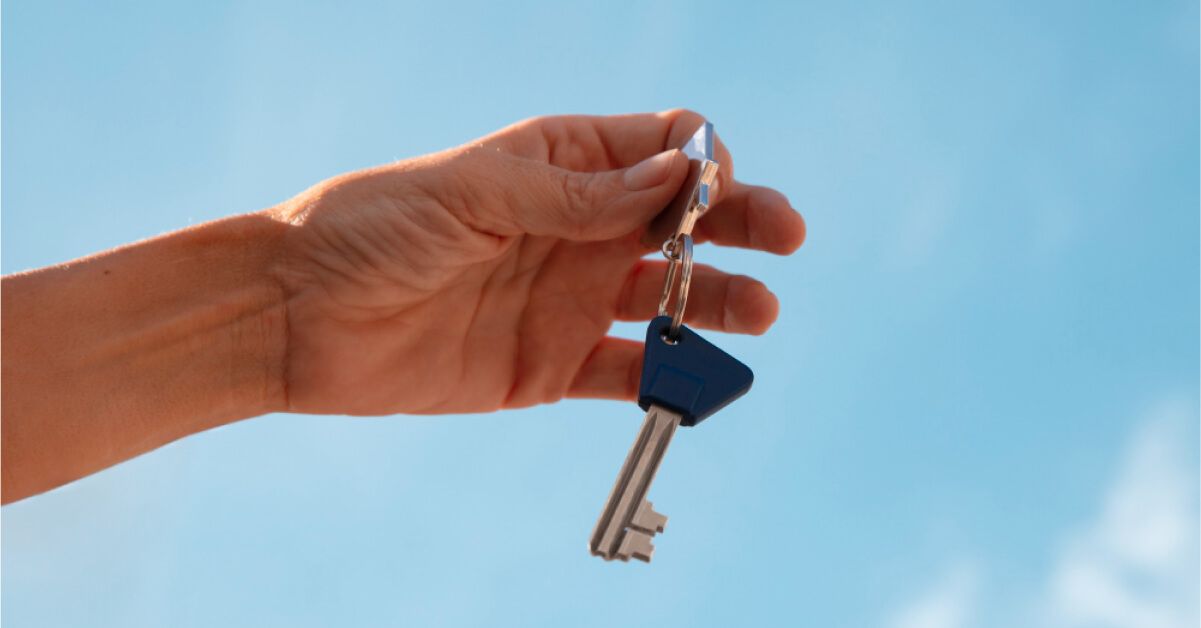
680 371
629 522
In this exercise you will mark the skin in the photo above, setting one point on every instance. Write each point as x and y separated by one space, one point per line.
471 280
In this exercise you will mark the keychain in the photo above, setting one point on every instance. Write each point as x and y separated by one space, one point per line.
684 377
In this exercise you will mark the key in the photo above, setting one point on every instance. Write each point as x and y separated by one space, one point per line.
684 377
684 380
628 522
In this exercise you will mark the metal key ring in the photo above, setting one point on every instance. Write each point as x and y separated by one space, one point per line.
678 252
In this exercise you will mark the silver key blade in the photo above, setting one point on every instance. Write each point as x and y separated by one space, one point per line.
628 522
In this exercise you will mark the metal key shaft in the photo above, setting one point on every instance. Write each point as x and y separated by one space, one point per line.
628 522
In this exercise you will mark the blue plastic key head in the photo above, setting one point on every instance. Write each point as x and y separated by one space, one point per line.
690 376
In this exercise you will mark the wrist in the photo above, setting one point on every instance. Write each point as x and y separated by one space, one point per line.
249 303
206 305
115 354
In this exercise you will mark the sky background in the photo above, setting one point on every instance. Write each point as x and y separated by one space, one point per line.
979 406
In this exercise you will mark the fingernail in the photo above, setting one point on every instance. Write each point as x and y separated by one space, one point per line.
650 172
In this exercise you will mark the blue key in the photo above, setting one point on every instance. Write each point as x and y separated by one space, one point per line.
684 380
688 375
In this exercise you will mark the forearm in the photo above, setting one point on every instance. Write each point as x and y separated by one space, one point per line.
116 354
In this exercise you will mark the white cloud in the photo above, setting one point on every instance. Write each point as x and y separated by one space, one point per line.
948 604
1135 564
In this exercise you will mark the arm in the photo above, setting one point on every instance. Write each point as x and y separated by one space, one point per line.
475 279
115 354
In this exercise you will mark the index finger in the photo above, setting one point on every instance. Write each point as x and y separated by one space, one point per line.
585 142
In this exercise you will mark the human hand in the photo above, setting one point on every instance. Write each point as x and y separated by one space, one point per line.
478 278
487 276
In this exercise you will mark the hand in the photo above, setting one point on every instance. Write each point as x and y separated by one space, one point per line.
487 276
479 278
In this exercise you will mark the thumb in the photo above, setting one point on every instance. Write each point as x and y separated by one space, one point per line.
599 205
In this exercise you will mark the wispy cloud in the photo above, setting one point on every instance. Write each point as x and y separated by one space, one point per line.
1133 565
947 604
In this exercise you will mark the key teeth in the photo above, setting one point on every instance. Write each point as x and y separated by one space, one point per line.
636 544
628 522
596 552
647 520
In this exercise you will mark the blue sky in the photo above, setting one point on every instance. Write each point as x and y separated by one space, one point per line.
979 406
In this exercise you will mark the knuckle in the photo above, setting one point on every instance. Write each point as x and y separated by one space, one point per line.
533 122
575 188
546 126
682 115
527 127
579 201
